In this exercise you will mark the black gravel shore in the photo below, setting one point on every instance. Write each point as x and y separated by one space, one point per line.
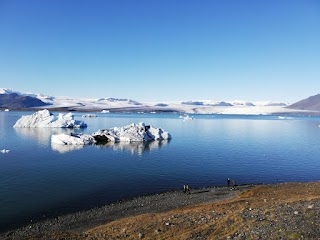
82 221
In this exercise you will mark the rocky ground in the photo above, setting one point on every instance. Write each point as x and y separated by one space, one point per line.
280 211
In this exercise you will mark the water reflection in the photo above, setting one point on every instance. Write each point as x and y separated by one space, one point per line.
65 148
135 147
41 135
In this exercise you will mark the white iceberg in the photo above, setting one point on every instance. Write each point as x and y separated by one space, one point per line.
72 139
44 118
131 133
285 117
105 111
186 118
4 150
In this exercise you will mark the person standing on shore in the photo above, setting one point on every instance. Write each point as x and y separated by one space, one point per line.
186 189
228 181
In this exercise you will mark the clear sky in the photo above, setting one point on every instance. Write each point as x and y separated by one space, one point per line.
153 50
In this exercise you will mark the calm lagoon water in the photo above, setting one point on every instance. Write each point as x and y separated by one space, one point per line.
39 180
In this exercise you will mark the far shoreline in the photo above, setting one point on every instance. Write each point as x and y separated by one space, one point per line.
151 110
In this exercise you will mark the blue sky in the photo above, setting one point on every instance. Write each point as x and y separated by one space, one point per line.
162 49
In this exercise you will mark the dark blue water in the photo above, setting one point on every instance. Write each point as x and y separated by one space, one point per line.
38 180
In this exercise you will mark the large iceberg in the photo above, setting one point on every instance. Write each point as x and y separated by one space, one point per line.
131 133
44 118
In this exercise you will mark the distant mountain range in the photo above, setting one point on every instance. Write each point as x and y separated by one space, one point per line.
311 103
17 100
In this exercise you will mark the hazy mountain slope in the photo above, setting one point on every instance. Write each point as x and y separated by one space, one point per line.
311 103
15 100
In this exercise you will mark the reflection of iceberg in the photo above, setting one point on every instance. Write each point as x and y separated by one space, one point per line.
42 135
65 148
135 147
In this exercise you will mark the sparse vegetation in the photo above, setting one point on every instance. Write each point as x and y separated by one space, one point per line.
287 211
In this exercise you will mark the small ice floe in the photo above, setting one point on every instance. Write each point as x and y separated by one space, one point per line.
105 111
7 110
89 116
44 118
186 118
285 118
4 150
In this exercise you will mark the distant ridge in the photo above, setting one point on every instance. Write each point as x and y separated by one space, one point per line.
14 100
311 103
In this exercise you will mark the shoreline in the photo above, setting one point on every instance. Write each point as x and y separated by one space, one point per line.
289 210
154 203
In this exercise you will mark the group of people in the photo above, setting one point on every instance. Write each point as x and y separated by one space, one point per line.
186 188
234 183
